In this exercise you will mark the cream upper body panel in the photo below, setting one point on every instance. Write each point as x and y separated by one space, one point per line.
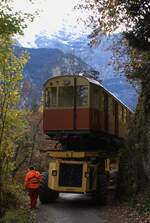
67 80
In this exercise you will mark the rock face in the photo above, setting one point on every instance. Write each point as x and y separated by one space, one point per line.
44 63
97 57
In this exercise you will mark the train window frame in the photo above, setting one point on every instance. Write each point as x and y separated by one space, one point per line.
113 107
50 97
124 115
46 98
80 98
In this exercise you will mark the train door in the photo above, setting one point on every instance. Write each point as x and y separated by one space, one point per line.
106 121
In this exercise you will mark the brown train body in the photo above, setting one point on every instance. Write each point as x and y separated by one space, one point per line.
80 105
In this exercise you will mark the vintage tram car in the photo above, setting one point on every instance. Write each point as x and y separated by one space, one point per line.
75 104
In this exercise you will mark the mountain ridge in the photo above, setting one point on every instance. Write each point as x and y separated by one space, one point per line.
42 64
72 55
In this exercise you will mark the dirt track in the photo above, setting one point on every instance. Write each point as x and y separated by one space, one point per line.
71 208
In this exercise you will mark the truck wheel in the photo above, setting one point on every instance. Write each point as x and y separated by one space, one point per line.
46 195
101 193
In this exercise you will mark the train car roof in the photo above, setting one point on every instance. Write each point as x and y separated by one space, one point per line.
93 81
99 84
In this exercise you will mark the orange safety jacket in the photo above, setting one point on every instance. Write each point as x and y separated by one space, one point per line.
32 180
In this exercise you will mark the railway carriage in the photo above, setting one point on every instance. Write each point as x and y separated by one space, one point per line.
78 104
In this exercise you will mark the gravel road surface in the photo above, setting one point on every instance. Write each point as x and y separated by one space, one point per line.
71 208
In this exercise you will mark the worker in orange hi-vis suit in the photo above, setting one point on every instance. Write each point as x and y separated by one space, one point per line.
32 183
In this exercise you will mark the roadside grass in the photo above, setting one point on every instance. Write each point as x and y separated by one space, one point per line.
17 216
15 207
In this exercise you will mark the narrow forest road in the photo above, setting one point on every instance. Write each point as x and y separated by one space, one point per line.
74 208
71 208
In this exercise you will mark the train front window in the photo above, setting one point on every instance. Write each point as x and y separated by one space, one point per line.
66 96
50 97
46 98
82 95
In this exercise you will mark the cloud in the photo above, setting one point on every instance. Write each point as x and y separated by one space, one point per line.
54 15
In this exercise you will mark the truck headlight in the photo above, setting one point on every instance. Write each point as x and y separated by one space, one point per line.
54 172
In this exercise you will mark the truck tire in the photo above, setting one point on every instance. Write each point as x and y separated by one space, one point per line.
101 194
46 195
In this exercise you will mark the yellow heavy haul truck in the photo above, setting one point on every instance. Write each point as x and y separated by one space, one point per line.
91 126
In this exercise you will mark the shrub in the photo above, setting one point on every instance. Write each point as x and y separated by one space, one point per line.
16 216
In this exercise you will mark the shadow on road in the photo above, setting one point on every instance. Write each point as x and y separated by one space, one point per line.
76 201
71 208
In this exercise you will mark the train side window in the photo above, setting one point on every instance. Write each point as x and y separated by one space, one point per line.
50 97
124 115
106 102
66 96
101 101
46 98
82 95
113 107
120 113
